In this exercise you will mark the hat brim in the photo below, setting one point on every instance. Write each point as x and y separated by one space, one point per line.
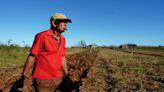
63 20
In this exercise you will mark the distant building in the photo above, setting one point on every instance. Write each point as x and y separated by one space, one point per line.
128 46
92 46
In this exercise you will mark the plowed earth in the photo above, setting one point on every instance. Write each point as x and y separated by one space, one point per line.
92 73
79 65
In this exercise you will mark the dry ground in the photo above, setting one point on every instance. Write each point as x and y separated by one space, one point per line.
106 70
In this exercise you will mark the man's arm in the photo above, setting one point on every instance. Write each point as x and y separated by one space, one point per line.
64 66
27 70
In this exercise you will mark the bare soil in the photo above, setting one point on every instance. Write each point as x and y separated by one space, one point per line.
97 74
79 65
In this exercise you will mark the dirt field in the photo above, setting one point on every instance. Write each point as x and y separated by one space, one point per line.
79 65
104 70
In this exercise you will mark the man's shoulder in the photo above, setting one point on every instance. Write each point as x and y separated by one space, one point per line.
42 33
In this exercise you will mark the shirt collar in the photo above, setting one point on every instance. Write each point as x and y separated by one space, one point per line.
50 33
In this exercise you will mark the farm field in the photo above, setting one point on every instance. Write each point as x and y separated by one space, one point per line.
130 72
99 70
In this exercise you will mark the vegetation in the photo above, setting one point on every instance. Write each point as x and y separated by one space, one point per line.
129 71
74 50
108 69
82 44
12 55
147 50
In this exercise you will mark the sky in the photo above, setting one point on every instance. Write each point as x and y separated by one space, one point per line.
103 22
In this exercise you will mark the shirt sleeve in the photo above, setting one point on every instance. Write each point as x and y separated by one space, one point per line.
64 48
37 45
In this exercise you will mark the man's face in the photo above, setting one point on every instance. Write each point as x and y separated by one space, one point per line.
61 26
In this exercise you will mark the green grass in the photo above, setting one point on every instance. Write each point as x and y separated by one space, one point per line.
137 69
120 56
74 50
124 68
131 63
128 68
147 50
11 56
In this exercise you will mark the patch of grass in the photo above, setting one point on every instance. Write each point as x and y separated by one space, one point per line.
133 72
137 69
147 50
74 50
12 56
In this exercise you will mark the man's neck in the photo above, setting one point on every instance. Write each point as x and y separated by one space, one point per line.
56 33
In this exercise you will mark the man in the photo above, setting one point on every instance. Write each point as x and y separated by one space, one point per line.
47 56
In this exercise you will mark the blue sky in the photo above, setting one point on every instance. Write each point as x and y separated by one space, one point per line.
104 22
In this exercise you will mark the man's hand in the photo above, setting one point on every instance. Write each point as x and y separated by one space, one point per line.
18 84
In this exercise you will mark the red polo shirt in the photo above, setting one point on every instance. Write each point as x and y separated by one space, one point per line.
48 54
